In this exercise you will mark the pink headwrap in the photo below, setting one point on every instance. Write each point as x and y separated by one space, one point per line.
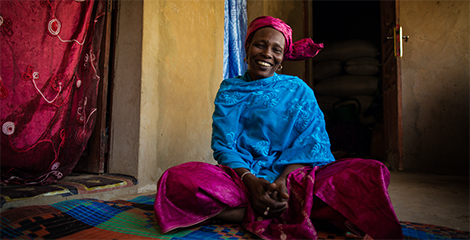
300 50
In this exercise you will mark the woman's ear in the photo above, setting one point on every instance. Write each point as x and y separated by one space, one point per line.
247 47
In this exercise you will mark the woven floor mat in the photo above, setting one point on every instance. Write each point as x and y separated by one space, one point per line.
73 184
135 219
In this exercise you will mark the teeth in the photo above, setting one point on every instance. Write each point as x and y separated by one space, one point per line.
264 64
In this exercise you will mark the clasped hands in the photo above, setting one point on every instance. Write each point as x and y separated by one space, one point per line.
269 199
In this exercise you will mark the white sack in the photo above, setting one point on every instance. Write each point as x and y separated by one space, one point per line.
326 69
366 66
347 85
346 50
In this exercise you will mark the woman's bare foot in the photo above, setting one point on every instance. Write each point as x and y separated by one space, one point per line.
233 215
367 237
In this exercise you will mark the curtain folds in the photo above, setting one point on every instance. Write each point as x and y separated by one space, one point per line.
235 25
49 80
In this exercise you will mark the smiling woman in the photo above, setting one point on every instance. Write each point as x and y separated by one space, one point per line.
276 174
265 53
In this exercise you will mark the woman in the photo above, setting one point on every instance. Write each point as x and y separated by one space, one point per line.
276 174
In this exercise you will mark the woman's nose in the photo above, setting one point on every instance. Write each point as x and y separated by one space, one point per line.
267 53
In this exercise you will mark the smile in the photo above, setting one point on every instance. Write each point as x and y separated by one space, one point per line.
264 64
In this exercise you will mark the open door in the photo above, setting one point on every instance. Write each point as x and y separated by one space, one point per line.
94 158
391 84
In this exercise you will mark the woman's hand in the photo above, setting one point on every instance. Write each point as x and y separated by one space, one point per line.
278 190
269 199
262 193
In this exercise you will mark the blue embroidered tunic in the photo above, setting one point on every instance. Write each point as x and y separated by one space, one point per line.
267 124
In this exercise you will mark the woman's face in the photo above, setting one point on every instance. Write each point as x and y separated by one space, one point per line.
264 53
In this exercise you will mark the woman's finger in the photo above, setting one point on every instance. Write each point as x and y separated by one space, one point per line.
281 188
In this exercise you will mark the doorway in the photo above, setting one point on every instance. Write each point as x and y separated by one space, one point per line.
348 76
94 158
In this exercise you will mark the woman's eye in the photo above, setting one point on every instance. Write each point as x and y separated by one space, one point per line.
259 45
277 50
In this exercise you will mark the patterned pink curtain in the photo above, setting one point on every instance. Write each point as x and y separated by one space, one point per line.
49 76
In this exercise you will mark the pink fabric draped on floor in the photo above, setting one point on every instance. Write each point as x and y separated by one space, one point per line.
354 189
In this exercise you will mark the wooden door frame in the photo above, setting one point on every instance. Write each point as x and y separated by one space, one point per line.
94 159
391 85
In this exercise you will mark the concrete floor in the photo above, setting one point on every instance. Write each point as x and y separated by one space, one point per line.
431 199
422 198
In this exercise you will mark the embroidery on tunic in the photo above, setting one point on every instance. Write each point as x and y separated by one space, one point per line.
229 97
265 99
232 142
262 147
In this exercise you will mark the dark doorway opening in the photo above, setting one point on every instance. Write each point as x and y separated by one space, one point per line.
347 76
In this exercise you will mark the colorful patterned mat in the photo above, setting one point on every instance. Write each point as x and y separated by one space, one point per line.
134 219
73 184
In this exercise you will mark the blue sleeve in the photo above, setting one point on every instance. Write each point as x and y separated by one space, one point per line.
224 134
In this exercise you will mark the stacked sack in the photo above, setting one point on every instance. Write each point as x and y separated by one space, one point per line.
346 73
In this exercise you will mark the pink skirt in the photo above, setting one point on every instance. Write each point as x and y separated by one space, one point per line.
350 193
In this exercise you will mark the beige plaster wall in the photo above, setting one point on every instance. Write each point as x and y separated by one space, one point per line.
435 81
177 77
182 64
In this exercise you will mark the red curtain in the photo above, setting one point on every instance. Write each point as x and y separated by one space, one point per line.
49 81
